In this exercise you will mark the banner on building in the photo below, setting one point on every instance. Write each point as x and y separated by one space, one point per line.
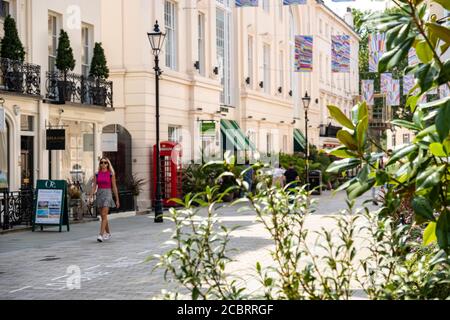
303 54
408 83
367 89
376 49
246 3
385 82
412 57
444 91
393 95
289 2
340 53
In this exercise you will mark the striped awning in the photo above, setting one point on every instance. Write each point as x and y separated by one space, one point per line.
299 141
234 137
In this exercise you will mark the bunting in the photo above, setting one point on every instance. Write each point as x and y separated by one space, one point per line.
303 54
412 57
385 82
408 83
246 3
368 91
340 53
393 95
289 2
376 49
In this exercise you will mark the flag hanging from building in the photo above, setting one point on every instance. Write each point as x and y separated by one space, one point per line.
408 83
412 57
444 91
246 3
289 2
367 91
385 82
376 49
303 54
340 53
393 95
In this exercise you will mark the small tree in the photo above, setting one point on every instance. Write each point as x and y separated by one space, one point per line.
65 61
11 46
99 69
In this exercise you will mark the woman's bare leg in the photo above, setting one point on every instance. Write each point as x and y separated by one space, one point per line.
107 222
104 213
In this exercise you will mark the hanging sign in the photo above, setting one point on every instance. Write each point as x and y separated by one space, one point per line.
367 88
246 3
50 207
56 139
208 129
303 54
340 53
289 2
109 142
376 50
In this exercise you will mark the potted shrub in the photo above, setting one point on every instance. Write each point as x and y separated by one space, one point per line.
75 201
65 62
13 55
99 72
136 185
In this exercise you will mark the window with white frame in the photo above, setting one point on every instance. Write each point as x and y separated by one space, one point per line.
280 11
321 66
174 133
269 142
170 21
201 43
285 143
265 5
5 9
86 52
223 46
281 70
266 67
53 27
250 59
406 138
320 26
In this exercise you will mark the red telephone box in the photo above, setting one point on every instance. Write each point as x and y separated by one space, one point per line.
171 172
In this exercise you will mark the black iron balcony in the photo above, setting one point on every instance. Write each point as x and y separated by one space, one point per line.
329 130
78 89
20 77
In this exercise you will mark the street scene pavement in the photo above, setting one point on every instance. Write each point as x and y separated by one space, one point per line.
41 265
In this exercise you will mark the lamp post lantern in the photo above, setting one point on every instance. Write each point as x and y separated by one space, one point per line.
306 101
156 39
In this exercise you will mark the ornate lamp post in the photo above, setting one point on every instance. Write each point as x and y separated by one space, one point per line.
306 101
156 39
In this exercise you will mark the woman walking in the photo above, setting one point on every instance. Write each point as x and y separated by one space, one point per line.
104 185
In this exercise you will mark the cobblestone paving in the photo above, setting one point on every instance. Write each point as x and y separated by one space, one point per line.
35 265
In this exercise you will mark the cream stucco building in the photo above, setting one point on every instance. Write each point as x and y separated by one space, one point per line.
224 65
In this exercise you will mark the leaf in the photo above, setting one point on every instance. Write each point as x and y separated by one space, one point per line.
429 178
422 209
344 164
398 154
361 132
343 152
359 188
444 3
406 124
443 121
441 31
429 234
393 57
363 110
425 75
445 47
424 52
443 230
340 117
437 150
347 139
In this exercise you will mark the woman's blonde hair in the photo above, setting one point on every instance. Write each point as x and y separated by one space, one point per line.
110 167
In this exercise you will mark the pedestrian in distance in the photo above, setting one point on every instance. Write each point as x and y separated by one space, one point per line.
104 184
248 176
278 176
291 175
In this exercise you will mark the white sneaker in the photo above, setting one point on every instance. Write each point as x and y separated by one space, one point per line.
107 236
100 238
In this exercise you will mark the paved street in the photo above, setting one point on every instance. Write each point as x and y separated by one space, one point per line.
35 265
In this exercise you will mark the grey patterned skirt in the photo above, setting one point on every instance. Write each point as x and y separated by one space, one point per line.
105 199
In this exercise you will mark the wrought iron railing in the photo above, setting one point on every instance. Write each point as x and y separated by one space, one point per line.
78 89
20 77
16 208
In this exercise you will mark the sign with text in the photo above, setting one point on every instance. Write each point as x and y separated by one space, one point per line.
56 139
50 208
109 142
208 129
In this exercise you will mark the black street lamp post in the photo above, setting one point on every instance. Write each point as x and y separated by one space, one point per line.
156 39
306 101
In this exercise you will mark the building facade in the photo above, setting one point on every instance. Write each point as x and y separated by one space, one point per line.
223 67
32 99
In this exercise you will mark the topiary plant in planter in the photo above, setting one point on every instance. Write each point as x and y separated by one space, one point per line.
100 72
13 55
65 62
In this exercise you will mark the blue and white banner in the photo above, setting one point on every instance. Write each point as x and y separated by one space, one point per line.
289 2
246 3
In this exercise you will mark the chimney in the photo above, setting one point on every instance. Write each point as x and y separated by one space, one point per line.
348 17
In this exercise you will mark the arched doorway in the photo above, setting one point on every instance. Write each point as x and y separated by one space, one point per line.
122 163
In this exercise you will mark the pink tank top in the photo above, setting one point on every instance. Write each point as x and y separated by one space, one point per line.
104 180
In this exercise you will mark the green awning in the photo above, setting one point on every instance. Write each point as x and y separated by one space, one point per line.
233 136
299 141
